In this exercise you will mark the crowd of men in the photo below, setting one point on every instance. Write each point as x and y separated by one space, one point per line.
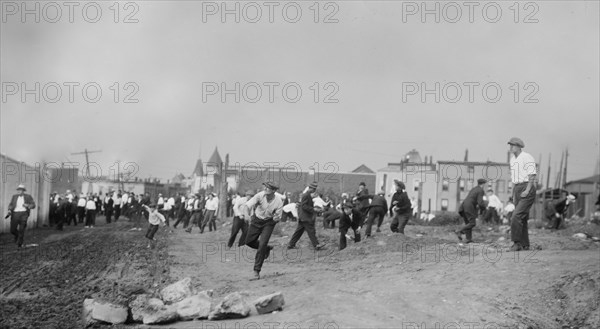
255 214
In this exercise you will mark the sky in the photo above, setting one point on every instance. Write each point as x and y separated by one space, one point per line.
366 71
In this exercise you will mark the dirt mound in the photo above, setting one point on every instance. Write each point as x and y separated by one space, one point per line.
577 299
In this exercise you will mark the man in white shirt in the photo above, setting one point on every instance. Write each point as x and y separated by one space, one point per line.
494 208
238 223
90 213
523 173
267 213
212 205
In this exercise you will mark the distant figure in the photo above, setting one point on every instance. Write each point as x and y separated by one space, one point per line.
350 219
468 210
238 222
155 218
18 209
557 210
400 208
494 208
362 198
377 209
307 213
508 211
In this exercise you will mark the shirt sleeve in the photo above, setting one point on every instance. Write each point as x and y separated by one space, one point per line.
249 204
278 211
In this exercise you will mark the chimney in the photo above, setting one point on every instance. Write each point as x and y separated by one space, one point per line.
431 160
466 155
425 160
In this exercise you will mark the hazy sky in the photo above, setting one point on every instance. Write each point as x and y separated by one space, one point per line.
372 58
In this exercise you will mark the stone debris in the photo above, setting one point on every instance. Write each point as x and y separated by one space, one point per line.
194 307
233 306
269 303
177 291
94 311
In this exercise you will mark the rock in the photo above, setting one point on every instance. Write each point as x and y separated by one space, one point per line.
143 305
163 314
109 312
269 303
194 307
233 306
88 306
177 291
596 239
501 239
582 236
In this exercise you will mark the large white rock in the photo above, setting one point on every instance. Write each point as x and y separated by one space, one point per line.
582 236
233 306
109 312
163 314
194 307
88 306
177 291
269 303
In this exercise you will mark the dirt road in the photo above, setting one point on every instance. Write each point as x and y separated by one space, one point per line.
423 280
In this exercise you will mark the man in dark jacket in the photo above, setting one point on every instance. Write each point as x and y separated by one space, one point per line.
557 210
351 218
306 219
362 198
468 210
401 208
377 209
19 208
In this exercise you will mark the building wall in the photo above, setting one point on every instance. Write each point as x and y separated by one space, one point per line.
461 177
37 184
104 186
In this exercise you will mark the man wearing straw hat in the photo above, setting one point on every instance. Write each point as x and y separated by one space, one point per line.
18 209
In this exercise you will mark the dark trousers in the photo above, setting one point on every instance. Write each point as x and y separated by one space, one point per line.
237 225
343 232
151 231
196 218
52 214
90 217
555 222
519 232
375 212
81 213
18 223
329 218
209 218
399 222
491 216
108 212
470 222
309 227
59 218
181 214
117 212
72 215
259 233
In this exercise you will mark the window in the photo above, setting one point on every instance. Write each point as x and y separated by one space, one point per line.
416 183
445 185
461 185
444 204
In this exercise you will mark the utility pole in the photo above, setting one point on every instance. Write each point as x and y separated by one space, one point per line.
564 176
87 163
548 176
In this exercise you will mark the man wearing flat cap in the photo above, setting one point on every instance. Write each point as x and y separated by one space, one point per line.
19 207
523 173
469 212
267 213
306 219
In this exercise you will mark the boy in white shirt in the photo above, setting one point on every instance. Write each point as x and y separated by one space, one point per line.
155 218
